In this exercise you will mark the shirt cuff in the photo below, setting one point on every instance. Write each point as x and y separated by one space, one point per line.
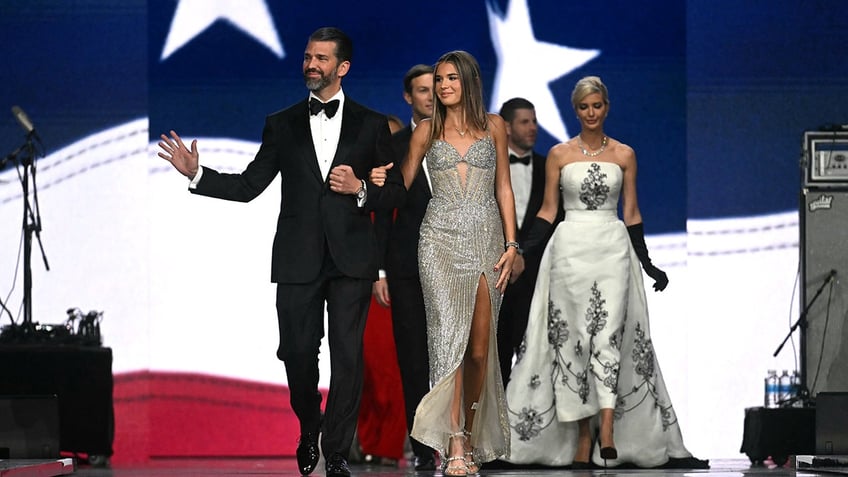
193 184
381 273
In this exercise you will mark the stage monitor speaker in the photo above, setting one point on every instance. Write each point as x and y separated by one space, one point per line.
832 423
29 427
824 271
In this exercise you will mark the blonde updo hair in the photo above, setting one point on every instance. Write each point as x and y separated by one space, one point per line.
586 86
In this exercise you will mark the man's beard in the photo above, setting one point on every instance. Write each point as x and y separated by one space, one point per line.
526 144
317 84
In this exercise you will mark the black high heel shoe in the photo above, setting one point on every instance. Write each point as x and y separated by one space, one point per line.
608 453
578 465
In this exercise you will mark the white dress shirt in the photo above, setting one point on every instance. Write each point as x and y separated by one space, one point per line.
326 132
521 177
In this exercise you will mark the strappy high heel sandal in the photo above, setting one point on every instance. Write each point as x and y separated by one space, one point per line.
455 466
473 467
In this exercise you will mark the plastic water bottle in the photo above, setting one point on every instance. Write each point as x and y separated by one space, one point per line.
796 390
784 391
771 383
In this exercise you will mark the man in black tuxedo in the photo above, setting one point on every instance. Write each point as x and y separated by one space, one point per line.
399 286
527 173
325 249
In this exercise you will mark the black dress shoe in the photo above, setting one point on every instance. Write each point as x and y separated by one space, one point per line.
307 453
425 463
337 466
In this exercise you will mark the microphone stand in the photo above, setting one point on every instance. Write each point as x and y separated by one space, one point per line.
803 391
31 225
11 156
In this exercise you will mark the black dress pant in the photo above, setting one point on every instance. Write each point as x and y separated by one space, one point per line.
512 320
409 322
300 312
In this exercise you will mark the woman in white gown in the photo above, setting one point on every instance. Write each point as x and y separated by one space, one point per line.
588 364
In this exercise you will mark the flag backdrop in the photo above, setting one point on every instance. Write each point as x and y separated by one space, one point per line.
713 96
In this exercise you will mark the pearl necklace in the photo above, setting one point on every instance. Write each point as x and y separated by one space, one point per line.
586 151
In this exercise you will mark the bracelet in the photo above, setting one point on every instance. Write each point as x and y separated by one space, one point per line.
511 244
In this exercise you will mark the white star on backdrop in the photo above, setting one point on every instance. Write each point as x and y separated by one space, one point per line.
526 66
192 17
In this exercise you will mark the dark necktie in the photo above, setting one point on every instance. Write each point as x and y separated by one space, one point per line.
330 108
524 160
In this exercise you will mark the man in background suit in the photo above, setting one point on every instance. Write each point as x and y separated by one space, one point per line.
399 286
325 248
527 173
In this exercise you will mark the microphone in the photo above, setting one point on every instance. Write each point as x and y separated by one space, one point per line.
24 121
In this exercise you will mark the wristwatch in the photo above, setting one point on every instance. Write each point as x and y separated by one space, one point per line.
360 194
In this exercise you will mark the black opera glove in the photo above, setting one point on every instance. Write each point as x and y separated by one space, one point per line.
637 238
536 238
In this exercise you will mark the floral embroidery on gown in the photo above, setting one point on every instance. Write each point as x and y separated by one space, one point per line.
588 342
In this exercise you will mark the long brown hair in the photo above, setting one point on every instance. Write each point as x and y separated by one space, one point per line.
472 94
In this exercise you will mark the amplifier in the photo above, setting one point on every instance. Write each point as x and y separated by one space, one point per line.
29 427
825 158
824 258
832 423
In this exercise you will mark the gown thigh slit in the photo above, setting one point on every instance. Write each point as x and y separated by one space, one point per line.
476 357
461 240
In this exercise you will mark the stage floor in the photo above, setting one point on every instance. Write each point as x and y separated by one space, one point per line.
286 467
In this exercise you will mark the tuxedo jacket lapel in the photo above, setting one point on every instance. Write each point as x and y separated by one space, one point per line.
302 135
347 137
421 183
537 190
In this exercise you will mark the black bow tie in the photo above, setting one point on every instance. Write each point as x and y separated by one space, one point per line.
329 108
524 160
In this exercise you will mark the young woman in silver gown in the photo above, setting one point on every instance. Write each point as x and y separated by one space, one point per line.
465 254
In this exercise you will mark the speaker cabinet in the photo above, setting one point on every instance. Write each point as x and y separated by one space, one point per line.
779 433
29 427
80 377
832 423
824 275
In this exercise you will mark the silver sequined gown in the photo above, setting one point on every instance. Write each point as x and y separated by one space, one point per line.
588 341
461 239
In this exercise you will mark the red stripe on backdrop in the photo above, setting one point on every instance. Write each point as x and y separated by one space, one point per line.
159 414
